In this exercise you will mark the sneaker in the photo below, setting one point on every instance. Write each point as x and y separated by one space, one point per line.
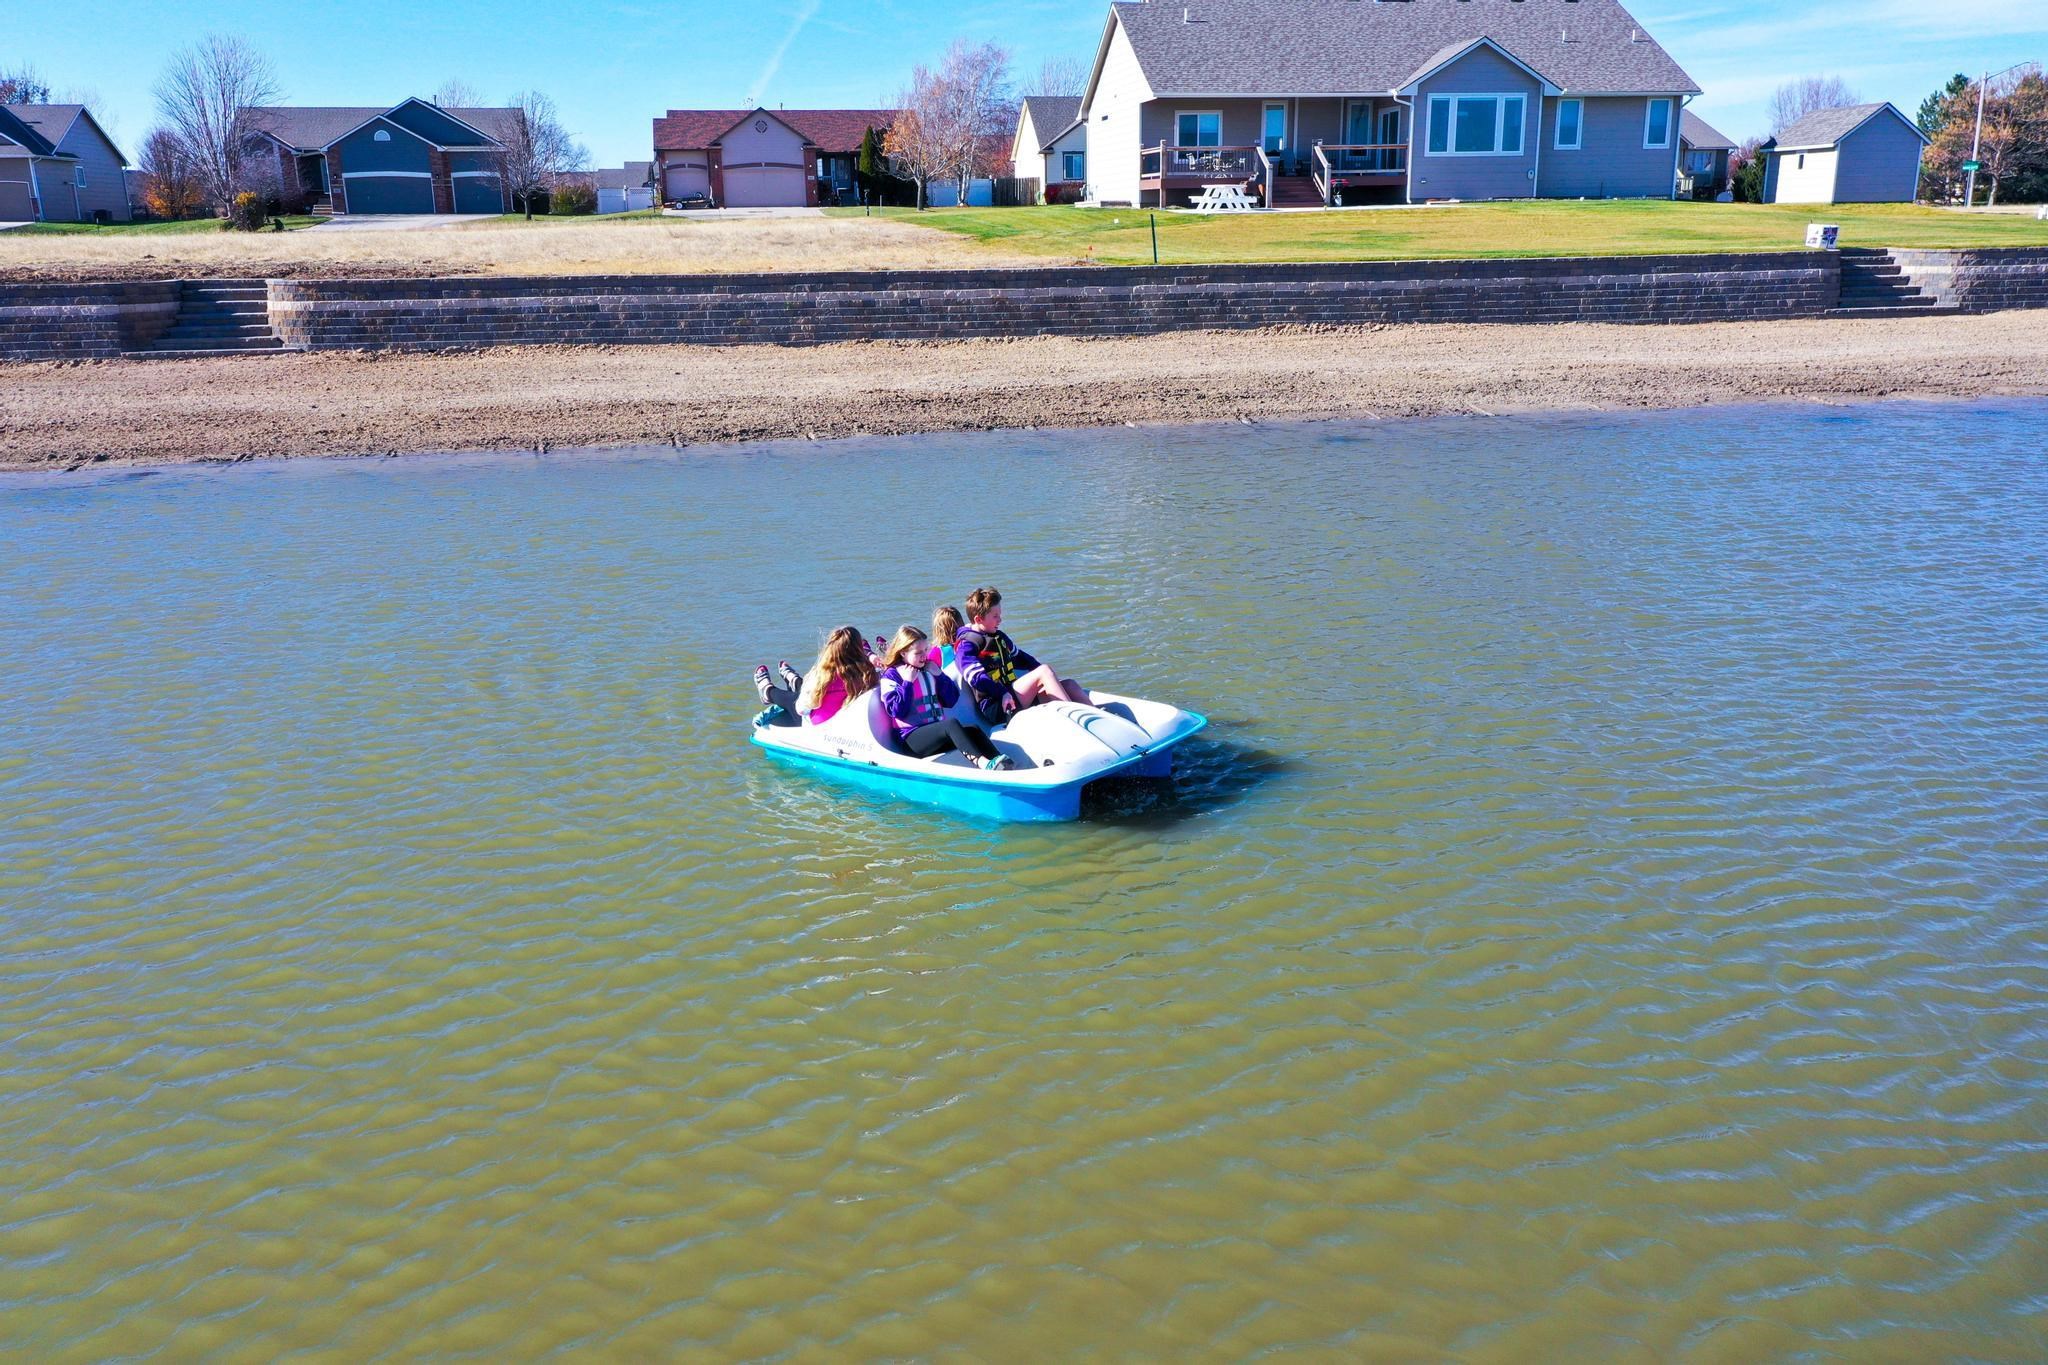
761 683
1001 763
791 679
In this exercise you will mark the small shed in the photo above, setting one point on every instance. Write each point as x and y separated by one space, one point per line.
624 189
1855 154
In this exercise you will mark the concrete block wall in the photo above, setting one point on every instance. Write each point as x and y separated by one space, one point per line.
1982 280
814 309
83 321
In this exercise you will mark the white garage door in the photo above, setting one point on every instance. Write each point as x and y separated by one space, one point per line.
685 182
764 187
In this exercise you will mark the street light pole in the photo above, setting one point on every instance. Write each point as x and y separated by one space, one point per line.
1977 141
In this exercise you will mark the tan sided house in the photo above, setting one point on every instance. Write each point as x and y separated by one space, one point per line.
1051 147
761 158
1396 101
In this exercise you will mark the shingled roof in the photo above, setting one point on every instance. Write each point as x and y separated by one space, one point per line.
1701 135
16 127
1052 115
1826 127
314 128
1360 47
830 130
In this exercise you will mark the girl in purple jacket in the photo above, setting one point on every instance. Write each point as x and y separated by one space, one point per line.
919 701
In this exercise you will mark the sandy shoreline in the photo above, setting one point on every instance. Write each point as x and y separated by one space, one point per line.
146 412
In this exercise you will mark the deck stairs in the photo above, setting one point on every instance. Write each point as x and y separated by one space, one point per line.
1874 285
217 317
1295 192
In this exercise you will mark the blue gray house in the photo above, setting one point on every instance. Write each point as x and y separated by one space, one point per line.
58 165
1397 101
413 157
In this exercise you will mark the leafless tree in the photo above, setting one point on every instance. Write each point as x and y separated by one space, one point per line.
538 150
920 142
202 98
1796 99
23 86
457 94
1061 76
976 78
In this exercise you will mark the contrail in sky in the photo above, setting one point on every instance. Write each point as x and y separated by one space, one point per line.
804 14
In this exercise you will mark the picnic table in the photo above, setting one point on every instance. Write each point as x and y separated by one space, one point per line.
1222 199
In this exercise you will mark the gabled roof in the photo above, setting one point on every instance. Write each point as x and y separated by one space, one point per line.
315 128
830 130
1443 57
631 176
17 128
1696 133
1051 115
1340 47
1826 127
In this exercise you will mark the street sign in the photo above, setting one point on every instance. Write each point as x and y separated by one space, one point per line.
1972 167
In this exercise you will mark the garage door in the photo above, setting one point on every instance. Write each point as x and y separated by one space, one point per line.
685 182
764 187
479 194
16 205
390 193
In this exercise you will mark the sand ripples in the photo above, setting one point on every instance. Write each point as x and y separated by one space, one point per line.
1604 917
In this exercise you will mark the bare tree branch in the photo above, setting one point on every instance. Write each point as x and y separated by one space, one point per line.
1811 94
538 151
457 94
1060 76
202 98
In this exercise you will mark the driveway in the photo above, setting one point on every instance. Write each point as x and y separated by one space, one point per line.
729 214
398 222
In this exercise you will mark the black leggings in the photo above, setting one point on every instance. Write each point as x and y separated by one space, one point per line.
786 699
948 733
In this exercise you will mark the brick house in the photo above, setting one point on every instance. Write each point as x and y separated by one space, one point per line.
414 157
739 158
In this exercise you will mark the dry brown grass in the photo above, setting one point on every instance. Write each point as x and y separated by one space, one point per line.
581 247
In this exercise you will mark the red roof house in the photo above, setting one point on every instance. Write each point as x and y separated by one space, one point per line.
739 158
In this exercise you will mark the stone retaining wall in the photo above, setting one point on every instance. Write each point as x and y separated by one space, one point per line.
1982 280
83 321
813 309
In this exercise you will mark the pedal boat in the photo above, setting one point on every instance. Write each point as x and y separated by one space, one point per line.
1058 748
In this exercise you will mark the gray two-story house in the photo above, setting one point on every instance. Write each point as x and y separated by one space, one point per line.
58 165
1395 101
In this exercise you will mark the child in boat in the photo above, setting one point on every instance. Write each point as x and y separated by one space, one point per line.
946 623
1003 678
841 674
919 700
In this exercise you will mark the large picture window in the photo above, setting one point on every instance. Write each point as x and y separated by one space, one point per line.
1201 129
1657 124
1476 125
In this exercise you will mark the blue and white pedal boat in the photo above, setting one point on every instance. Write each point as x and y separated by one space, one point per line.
1058 748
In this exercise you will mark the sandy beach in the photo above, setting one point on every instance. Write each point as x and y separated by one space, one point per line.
355 404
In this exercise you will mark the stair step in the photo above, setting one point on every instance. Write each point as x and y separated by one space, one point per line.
217 344
1934 311
190 354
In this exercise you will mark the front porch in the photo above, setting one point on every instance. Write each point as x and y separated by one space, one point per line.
1295 152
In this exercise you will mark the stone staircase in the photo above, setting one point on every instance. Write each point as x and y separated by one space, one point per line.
1874 285
217 317
1295 192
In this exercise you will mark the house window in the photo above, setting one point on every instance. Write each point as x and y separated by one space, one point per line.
1275 130
1476 125
380 136
1073 166
78 176
1571 119
1657 124
1802 162
1203 129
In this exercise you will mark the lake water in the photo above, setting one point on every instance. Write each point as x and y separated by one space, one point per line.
1605 918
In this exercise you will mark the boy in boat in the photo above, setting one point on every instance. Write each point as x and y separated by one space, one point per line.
1002 678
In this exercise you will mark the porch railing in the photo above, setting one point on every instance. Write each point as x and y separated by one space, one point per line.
1218 163
1319 171
1265 176
1367 158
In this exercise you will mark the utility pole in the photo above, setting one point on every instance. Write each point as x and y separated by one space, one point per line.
1977 141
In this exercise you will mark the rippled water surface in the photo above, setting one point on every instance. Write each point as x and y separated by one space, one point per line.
1606 916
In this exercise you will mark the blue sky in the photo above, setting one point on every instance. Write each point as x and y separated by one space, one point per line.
612 65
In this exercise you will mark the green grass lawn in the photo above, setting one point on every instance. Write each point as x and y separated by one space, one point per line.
179 228
1529 228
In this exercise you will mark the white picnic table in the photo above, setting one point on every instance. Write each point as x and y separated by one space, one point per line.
1222 199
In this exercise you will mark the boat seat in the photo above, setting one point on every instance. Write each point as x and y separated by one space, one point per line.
878 722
